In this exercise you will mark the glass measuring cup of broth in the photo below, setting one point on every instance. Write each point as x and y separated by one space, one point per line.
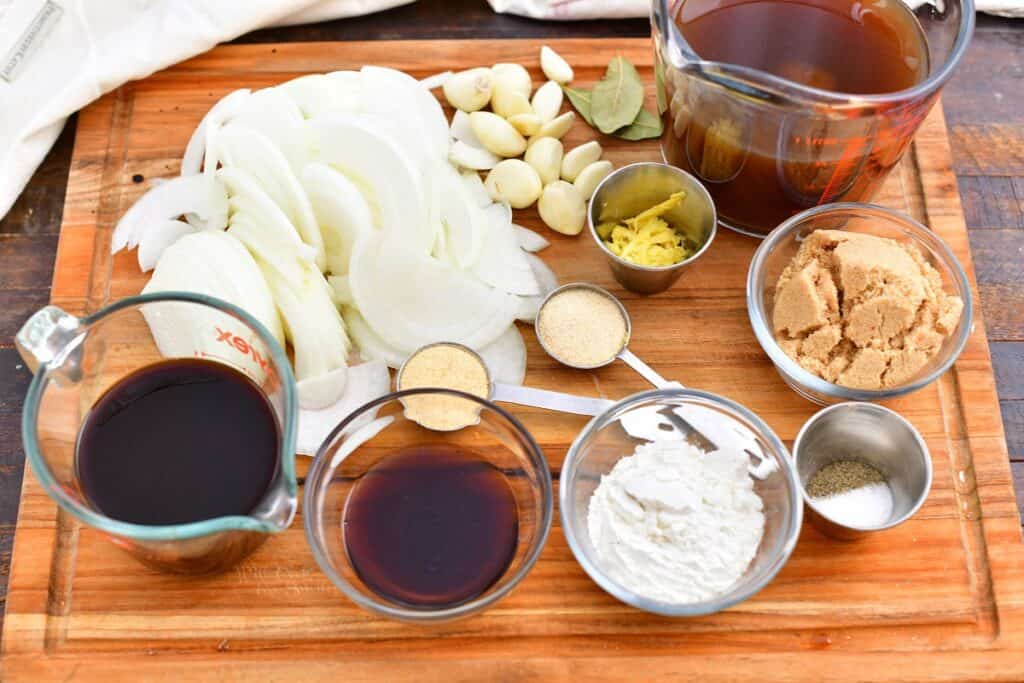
778 105
166 423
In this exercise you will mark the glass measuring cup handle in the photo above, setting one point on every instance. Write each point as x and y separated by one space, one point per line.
646 371
551 400
51 338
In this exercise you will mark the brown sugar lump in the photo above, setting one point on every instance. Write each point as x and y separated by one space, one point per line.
862 311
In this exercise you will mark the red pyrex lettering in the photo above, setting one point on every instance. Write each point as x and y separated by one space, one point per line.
242 346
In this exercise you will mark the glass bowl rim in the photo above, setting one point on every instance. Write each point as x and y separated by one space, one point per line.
920 233
620 592
319 466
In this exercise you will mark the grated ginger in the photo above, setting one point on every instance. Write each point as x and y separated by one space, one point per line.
647 239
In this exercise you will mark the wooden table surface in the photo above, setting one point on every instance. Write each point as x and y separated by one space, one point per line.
984 107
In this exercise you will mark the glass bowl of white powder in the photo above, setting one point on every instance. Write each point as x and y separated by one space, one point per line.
680 502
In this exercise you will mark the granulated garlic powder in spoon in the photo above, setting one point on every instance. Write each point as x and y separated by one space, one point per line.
444 366
582 327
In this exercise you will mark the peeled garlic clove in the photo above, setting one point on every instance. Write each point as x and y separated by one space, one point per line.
562 208
545 155
469 90
468 156
555 68
591 176
577 158
508 103
527 124
512 78
496 134
558 126
513 181
547 101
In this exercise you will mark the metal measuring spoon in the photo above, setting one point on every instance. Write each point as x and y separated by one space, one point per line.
518 394
626 356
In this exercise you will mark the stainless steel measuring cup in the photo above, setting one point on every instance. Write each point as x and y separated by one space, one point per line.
872 434
75 360
628 191
623 354
519 394
679 421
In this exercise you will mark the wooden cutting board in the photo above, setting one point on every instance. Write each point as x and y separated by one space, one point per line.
939 598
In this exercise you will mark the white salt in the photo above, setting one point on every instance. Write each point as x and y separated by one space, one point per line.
867 506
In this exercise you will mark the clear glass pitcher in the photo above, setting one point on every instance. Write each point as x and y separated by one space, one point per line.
75 360
767 147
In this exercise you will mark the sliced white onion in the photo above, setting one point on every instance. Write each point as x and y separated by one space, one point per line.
216 264
462 131
502 264
465 225
157 238
318 94
400 95
436 81
371 346
340 210
530 240
192 194
411 299
546 277
365 382
320 391
529 307
248 149
221 111
249 201
271 112
505 357
434 215
342 292
474 158
389 180
477 192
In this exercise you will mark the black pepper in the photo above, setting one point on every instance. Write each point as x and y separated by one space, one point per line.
841 476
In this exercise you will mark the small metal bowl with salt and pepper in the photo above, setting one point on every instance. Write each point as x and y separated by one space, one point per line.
862 468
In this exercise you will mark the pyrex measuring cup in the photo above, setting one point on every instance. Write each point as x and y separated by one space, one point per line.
76 359
766 147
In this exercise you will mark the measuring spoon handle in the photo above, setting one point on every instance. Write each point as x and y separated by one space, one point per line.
551 400
646 371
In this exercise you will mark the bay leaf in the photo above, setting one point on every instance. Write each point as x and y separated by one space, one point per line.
646 125
617 98
580 99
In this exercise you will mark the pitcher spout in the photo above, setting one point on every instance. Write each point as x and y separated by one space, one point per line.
52 338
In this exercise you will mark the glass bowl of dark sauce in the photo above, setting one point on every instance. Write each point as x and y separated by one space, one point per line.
423 525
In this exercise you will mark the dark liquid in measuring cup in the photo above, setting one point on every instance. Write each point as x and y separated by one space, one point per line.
431 526
178 441
762 165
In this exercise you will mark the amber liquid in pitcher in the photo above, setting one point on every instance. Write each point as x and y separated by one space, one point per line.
763 164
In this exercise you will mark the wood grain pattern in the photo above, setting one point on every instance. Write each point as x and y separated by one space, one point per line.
985 88
938 598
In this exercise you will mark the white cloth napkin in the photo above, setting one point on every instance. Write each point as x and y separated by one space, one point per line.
56 56
569 10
